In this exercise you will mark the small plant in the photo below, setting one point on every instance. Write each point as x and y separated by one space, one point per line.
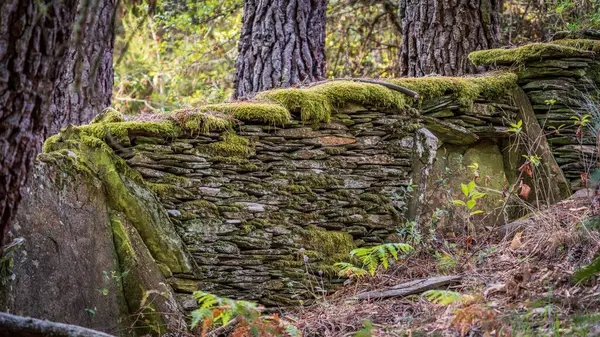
533 159
472 195
445 297
516 128
372 258
556 129
550 101
214 310
581 121
90 311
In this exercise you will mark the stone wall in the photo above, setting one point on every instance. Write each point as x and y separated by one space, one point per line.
561 79
265 205
256 200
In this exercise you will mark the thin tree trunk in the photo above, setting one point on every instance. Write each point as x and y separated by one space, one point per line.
33 42
282 44
84 88
438 35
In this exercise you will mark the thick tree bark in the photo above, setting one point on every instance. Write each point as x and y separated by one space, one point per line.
282 43
84 88
438 35
33 41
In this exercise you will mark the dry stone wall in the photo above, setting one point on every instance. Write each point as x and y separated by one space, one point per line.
265 210
561 79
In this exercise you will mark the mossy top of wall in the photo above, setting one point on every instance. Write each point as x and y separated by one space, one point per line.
536 52
284 106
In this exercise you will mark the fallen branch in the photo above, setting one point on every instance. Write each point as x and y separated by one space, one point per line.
390 86
11 325
409 288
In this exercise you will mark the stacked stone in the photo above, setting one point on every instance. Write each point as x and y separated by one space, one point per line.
257 226
560 89
251 223
561 79
459 124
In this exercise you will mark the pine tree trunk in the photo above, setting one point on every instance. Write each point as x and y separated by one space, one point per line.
438 35
84 88
282 44
33 42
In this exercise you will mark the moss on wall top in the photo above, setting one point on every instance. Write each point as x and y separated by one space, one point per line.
530 52
584 44
314 105
464 89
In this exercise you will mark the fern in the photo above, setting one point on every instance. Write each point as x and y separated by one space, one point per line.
444 297
373 257
220 310
588 271
349 270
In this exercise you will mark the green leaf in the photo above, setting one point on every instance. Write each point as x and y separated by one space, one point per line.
459 202
471 203
443 297
465 189
471 187
476 212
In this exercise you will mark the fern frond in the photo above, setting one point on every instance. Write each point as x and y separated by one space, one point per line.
443 297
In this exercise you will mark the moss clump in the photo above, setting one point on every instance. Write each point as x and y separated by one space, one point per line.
232 145
521 55
194 121
274 114
332 244
110 116
297 189
583 44
464 89
316 103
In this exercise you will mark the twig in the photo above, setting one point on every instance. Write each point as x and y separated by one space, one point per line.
390 86
216 332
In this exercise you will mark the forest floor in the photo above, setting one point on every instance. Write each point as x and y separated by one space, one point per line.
516 284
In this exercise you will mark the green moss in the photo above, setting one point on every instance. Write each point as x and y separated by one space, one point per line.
521 55
194 121
317 103
273 114
110 116
163 190
51 143
332 244
297 189
464 89
583 44
232 145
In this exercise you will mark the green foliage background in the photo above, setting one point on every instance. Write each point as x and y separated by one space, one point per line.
176 54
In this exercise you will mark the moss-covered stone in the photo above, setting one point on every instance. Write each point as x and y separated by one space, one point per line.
317 103
232 145
526 53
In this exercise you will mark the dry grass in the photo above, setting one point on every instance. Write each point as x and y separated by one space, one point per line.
524 273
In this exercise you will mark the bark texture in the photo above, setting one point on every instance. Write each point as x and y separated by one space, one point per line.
84 88
438 35
282 43
33 39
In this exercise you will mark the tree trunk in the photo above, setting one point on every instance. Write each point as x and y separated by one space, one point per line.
33 39
84 88
282 43
438 35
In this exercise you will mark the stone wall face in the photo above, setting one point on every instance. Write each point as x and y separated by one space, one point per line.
302 191
268 225
562 81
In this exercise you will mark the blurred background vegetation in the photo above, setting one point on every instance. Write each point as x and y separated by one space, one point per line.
173 54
